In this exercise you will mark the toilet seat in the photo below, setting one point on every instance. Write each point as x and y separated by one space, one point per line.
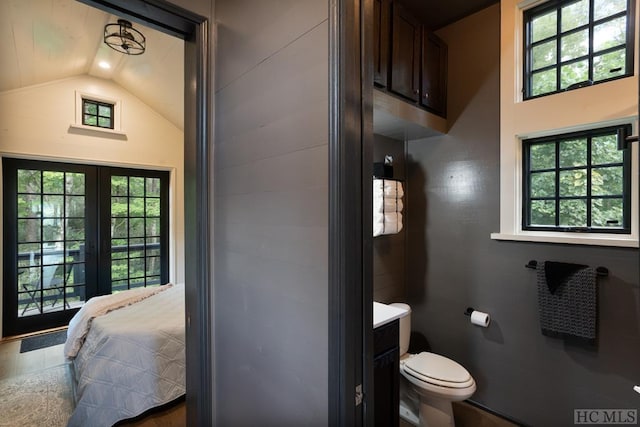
437 370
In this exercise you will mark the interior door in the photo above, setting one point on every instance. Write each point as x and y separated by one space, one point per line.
49 243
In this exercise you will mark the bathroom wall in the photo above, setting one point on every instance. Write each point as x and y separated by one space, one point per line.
389 257
454 194
271 213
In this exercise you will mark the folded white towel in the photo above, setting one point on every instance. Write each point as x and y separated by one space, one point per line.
378 192
388 185
387 204
378 229
392 217
392 224
393 188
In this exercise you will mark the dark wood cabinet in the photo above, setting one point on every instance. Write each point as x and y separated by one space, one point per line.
386 375
405 53
433 82
381 40
409 60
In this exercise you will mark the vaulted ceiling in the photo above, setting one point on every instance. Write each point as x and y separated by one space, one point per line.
46 40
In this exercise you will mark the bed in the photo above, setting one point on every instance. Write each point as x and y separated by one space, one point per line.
131 359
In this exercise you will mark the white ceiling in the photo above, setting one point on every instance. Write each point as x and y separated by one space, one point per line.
46 40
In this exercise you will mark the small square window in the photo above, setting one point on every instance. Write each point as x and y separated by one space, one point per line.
576 43
577 182
96 113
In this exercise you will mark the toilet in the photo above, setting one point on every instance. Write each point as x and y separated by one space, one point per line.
431 382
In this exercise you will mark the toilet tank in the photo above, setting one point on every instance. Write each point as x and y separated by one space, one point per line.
405 327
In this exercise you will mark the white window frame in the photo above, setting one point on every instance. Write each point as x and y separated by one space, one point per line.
117 107
607 104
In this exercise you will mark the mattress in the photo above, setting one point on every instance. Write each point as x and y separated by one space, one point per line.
132 360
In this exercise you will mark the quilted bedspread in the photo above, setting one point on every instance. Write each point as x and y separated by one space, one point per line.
132 360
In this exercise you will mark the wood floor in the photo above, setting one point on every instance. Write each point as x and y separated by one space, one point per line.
13 363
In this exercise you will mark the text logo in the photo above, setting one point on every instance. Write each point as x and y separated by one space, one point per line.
605 416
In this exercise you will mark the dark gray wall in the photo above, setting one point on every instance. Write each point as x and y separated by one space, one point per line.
389 257
454 206
271 204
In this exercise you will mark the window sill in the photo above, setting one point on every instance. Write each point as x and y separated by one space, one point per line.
579 239
100 131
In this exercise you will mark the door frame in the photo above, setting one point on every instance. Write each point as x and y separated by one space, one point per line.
350 308
350 213
198 126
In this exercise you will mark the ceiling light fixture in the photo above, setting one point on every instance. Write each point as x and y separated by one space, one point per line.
124 38
104 65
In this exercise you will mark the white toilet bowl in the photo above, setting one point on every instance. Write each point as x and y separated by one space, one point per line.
436 380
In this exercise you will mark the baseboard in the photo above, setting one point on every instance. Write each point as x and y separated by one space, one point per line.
496 413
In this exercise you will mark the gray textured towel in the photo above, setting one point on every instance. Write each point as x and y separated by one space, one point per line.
572 310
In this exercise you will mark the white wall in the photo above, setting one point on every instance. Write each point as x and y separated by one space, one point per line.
35 123
605 103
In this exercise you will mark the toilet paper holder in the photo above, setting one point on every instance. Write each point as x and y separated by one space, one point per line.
478 318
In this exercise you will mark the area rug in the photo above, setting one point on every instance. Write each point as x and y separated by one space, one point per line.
42 398
42 341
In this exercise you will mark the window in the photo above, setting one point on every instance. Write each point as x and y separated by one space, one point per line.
96 113
577 182
570 44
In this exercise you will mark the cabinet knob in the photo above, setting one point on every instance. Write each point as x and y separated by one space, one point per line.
416 91
426 95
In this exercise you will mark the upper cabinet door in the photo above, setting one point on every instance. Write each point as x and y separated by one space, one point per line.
381 24
433 90
405 54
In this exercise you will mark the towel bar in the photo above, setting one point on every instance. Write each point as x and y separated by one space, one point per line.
601 271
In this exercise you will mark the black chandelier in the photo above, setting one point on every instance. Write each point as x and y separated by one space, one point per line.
124 38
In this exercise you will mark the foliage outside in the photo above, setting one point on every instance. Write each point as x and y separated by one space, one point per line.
50 221
607 182
135 232
558 61
51 236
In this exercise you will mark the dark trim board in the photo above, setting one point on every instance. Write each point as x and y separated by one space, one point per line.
194 30
350 255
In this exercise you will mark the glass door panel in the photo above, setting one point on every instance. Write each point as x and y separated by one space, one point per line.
51 246
46 243
138 229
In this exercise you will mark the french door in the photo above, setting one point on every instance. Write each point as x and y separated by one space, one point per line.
76 231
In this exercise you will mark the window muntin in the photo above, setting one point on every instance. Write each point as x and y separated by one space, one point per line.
576 43
138 216
97 114
50 240
578 182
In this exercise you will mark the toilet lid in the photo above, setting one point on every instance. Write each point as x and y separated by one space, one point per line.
430 366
